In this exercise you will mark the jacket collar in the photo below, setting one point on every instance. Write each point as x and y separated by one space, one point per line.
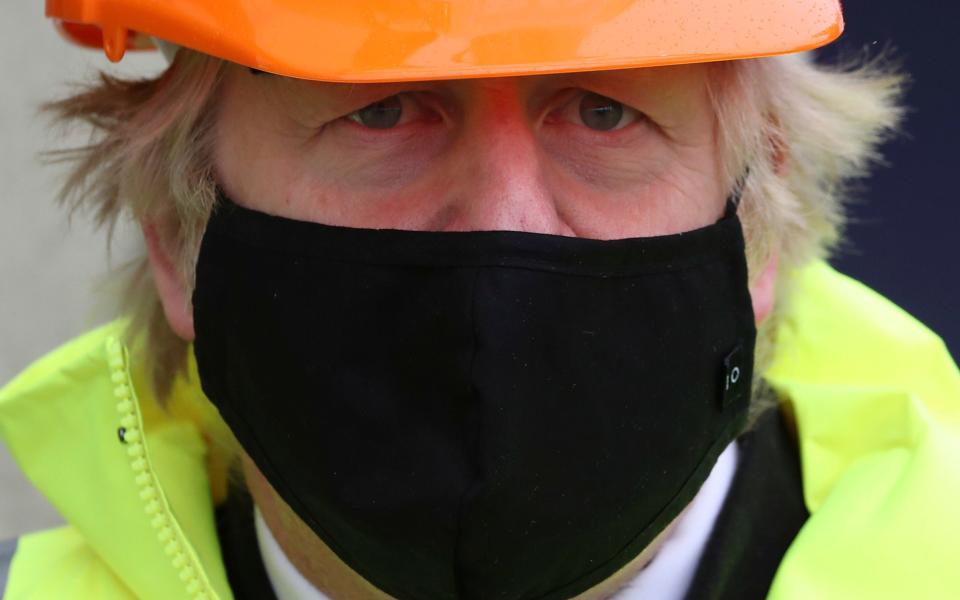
86 429
876 399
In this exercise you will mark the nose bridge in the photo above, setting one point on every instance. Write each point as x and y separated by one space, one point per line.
502 184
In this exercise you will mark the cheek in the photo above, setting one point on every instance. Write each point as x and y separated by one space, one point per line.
398 185
634 192
373 166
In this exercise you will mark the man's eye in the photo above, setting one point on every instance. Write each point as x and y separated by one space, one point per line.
605 114
384 114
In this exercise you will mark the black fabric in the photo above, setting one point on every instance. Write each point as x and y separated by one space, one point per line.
476 414
760 518
238 544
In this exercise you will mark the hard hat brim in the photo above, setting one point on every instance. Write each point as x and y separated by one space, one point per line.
386 40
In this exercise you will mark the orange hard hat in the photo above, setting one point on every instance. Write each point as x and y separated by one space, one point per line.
409 40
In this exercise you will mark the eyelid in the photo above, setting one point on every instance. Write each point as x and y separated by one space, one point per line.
357 109
568 100
413 104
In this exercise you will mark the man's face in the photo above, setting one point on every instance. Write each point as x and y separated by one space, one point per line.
598 155
601 155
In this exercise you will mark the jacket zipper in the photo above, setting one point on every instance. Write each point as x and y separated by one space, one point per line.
169 534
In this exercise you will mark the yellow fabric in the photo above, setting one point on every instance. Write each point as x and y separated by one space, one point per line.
75 568
876 398
875 395
60 421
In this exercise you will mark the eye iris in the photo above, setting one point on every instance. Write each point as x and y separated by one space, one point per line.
600 113
381 115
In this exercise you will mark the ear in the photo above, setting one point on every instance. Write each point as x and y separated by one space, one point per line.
764 288
177 305
763 292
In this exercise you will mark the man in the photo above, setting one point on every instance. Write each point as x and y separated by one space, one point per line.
453 301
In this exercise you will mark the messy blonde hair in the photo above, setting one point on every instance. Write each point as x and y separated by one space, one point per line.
801 131
150 158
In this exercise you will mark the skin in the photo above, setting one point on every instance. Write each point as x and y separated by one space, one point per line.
483 154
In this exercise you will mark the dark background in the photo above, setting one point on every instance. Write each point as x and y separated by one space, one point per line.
903 237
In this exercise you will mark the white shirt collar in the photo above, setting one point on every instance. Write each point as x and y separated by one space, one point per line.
667 577
286 580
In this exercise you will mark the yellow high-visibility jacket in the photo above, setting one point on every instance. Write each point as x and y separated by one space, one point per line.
874 395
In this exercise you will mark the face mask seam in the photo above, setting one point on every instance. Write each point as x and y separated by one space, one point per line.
722 231
457 579
706 260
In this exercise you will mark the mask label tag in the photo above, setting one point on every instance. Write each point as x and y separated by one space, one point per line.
733 377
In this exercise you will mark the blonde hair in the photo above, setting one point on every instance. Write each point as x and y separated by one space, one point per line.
801 131
150 157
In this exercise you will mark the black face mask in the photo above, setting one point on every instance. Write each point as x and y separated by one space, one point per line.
476 414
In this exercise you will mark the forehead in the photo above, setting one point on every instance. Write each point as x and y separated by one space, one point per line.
669 83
